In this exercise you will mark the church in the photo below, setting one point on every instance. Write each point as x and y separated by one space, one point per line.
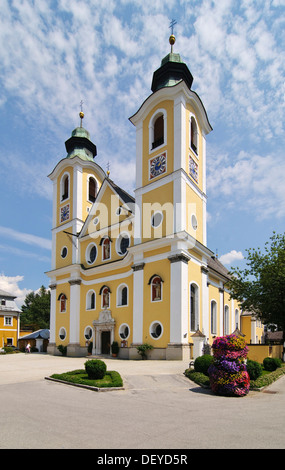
137 270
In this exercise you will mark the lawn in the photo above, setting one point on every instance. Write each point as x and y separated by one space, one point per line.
111 379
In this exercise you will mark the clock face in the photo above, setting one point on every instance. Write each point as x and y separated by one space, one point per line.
64 213
157 166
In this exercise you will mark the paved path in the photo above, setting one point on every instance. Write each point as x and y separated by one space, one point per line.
160 409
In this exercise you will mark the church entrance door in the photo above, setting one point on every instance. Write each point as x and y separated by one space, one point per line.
106 342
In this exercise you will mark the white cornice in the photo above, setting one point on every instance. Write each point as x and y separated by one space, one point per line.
173 93
74 162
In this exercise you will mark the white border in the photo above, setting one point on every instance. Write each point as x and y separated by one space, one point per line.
119 295
87 253
160 111
150 329
88 300
121 327
62 328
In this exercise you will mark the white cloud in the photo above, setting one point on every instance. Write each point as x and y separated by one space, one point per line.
11 284
231 257
251 182
26 238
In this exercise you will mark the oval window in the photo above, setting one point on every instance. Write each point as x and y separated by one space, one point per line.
64 252
156 330
124 331
156 219
91 254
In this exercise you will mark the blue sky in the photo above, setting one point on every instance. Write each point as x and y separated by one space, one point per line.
56 53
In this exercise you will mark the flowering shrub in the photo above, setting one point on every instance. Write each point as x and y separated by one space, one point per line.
228 374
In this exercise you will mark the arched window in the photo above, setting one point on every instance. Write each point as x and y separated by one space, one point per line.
156 288
236 318
122 295
158 132
194 135
194 307
105 293
62 305
106 249
65 188
92 189
226 320
90 300
213 317
158 129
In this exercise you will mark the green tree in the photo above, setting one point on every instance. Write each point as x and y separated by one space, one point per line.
260 287
36 309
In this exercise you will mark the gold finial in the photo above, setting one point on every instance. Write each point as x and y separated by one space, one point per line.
81 114
172 37
108 169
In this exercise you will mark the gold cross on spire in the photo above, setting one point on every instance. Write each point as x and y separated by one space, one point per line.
172 37
81 114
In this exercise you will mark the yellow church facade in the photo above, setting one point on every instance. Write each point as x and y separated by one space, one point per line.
137 269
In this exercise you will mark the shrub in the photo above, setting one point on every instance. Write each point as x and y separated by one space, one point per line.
95 368
115 347
202 363
143 348
254 369
62 349
198 378
271 363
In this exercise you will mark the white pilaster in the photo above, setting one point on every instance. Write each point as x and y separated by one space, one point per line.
138 276
205 304
77 192
179 133
253 330
221 324
52 313
74 304
179 299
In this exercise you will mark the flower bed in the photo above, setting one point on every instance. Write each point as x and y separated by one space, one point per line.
228 375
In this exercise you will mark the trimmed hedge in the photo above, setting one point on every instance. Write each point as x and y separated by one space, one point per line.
198 377
254 369
202 363
271 363
268 379
95 369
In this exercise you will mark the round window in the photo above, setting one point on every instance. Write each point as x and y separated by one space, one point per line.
194 221
88 333
156 219
62 333
91 254
156 330
64 252
124 331
123 244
